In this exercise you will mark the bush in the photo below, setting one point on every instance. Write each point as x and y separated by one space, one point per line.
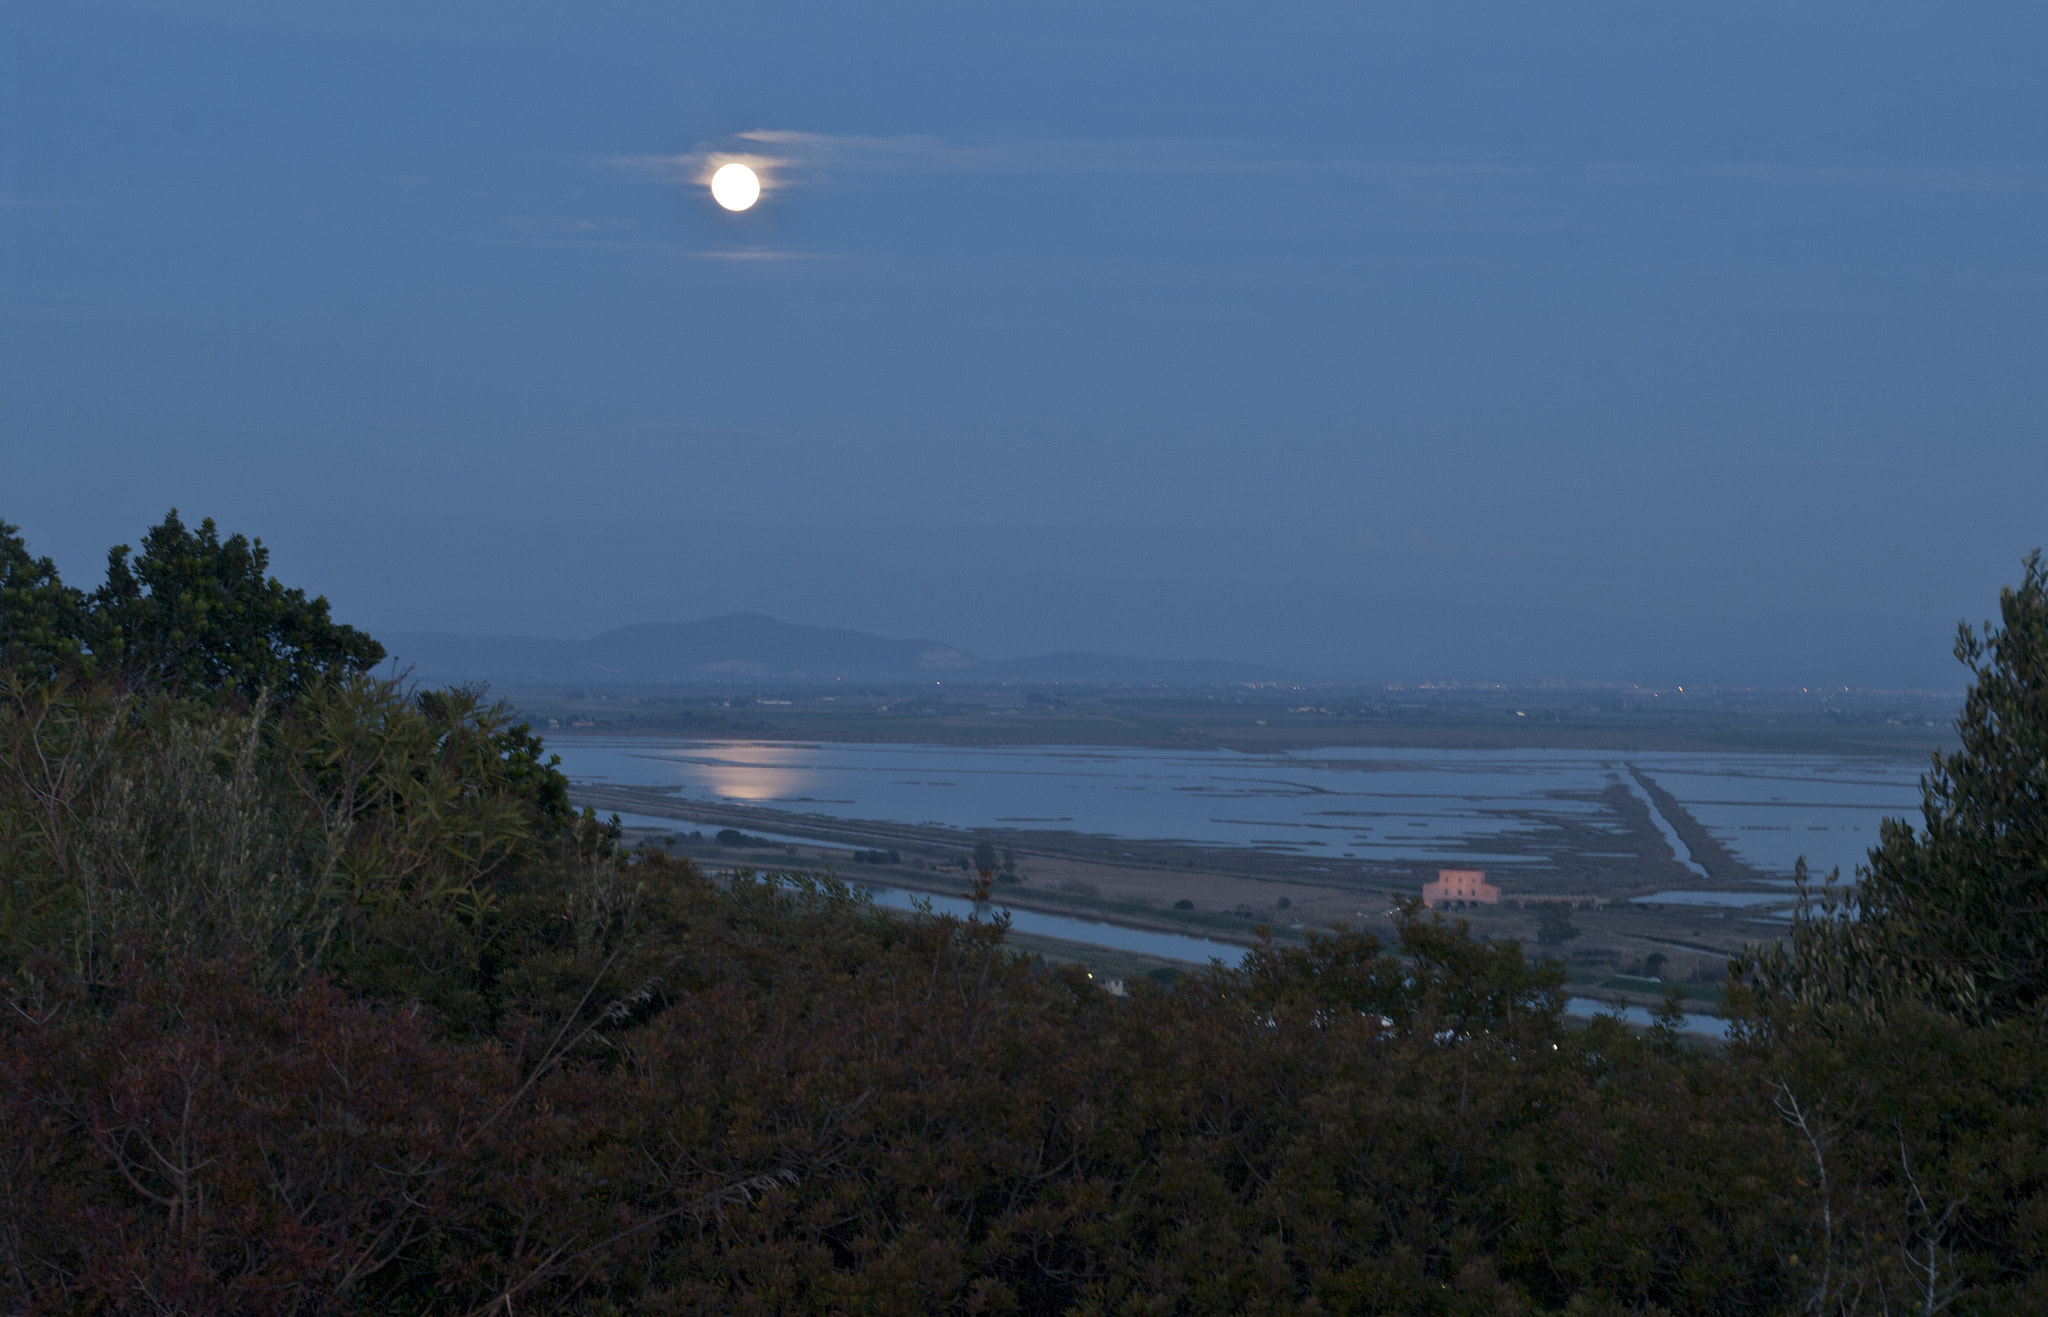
356 830
1554 923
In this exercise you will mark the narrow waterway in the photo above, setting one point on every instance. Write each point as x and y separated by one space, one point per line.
1170 946
1678 847
1202 951
1585 1008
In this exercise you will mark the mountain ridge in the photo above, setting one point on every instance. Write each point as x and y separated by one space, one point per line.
1148 637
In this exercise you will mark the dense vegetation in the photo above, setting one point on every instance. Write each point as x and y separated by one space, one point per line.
191 612
320 999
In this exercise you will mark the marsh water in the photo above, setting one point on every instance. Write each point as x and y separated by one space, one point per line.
1499 809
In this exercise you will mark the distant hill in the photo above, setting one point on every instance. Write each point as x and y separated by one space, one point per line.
1279 633
751 647
1366 635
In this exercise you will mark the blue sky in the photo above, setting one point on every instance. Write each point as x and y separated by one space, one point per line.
1669 312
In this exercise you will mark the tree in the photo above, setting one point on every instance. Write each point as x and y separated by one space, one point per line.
1554 923
196 612
1952 916
985 858
42 620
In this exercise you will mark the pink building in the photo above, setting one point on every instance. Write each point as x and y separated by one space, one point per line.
1454 889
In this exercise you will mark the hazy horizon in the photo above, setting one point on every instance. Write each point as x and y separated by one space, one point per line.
1416 643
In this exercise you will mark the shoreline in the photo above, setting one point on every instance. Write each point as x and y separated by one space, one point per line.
1883 725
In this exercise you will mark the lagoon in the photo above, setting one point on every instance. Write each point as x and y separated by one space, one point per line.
1502 809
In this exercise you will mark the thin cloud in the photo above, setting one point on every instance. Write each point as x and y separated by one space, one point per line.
752 255
698 166
785 156
561 236
40 203
791 157
666 433
761 254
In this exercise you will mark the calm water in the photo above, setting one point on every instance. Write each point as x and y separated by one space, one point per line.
1712 1026
1487 808
1732 899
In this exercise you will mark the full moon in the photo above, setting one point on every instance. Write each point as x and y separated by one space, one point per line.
735 187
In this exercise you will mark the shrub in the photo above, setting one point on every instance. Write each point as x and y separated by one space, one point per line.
1554 925
360 829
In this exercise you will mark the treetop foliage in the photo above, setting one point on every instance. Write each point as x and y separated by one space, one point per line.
1952 916
191 612
42 621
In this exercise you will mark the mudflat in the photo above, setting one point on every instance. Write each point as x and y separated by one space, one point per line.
1233 893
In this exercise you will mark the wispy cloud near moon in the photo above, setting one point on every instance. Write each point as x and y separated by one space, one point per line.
792 157
762 254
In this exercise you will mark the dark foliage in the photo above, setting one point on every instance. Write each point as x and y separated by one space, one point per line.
42 621
191 612
771 1098
1554 924
1951 917
195 612
331 1005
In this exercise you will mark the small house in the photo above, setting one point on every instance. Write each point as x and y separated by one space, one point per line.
1454 889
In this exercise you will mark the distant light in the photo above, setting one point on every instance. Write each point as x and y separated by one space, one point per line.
735 186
